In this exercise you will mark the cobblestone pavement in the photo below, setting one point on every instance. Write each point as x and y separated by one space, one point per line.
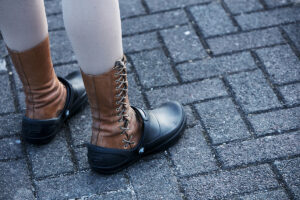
235 66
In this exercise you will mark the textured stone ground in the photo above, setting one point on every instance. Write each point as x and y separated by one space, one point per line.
235 66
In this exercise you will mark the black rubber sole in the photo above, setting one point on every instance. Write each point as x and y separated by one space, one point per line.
163 146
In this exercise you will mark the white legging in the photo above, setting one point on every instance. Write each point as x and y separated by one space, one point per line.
93 27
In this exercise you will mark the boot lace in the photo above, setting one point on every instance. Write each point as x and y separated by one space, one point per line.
122 88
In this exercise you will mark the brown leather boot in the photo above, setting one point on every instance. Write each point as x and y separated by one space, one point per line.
45 94
115 123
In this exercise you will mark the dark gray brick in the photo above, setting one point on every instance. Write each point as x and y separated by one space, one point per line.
10 124
263 195
158 5
275 3
148 64
212 19
140 42
3 50
53 6
293 31
222 121
290 171
190 115
15 182
268 18
216 66
81 126
281 63
185 38
291 93
240 6
259 150
155 21
61 50
134 93
55 22
6 100
156 174
114 195
187 93
227 183
77 185
253 91
131 8
247 40
279 121
81 156
50 159
192 155
10 148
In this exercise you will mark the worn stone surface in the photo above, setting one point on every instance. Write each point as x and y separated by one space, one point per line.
10 148
10 124
140 42
6 100
291 93
293 31
158 5
131 8
241 6
274 195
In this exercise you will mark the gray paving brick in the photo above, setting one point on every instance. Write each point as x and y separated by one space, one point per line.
185 37
253 91
158 5
3 50
259 150
291 93
191 119
187 93
145 174
227 183
222 121
148 64
55 22
279 121
2 65
155 21
115 195
6 100
140 42
281 63
10 124
80 126
293 31
247 40
134 93
263 195
240 6
10 148
64 70
216 66
53 7
131 8
268 18
61 50
275 3
15 182
290 171
213 20
81 156
192 155
78 185
50 159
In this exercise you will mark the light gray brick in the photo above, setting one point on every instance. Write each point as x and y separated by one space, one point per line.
156 174
268 18
148 64
212 19
216 66
155 21
15 182
114 195
131 8
158 5
134 92
10 148
240 6
281 63
244 41
140 42
51 159
6 100
222 121
77 185
187 93
190 115
262 195
81 156
291 93
192 155
53 6
2 65
185 38
64 70
252 91
293 31
10 124
259 150
227 183
279 121
55 22
275 3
